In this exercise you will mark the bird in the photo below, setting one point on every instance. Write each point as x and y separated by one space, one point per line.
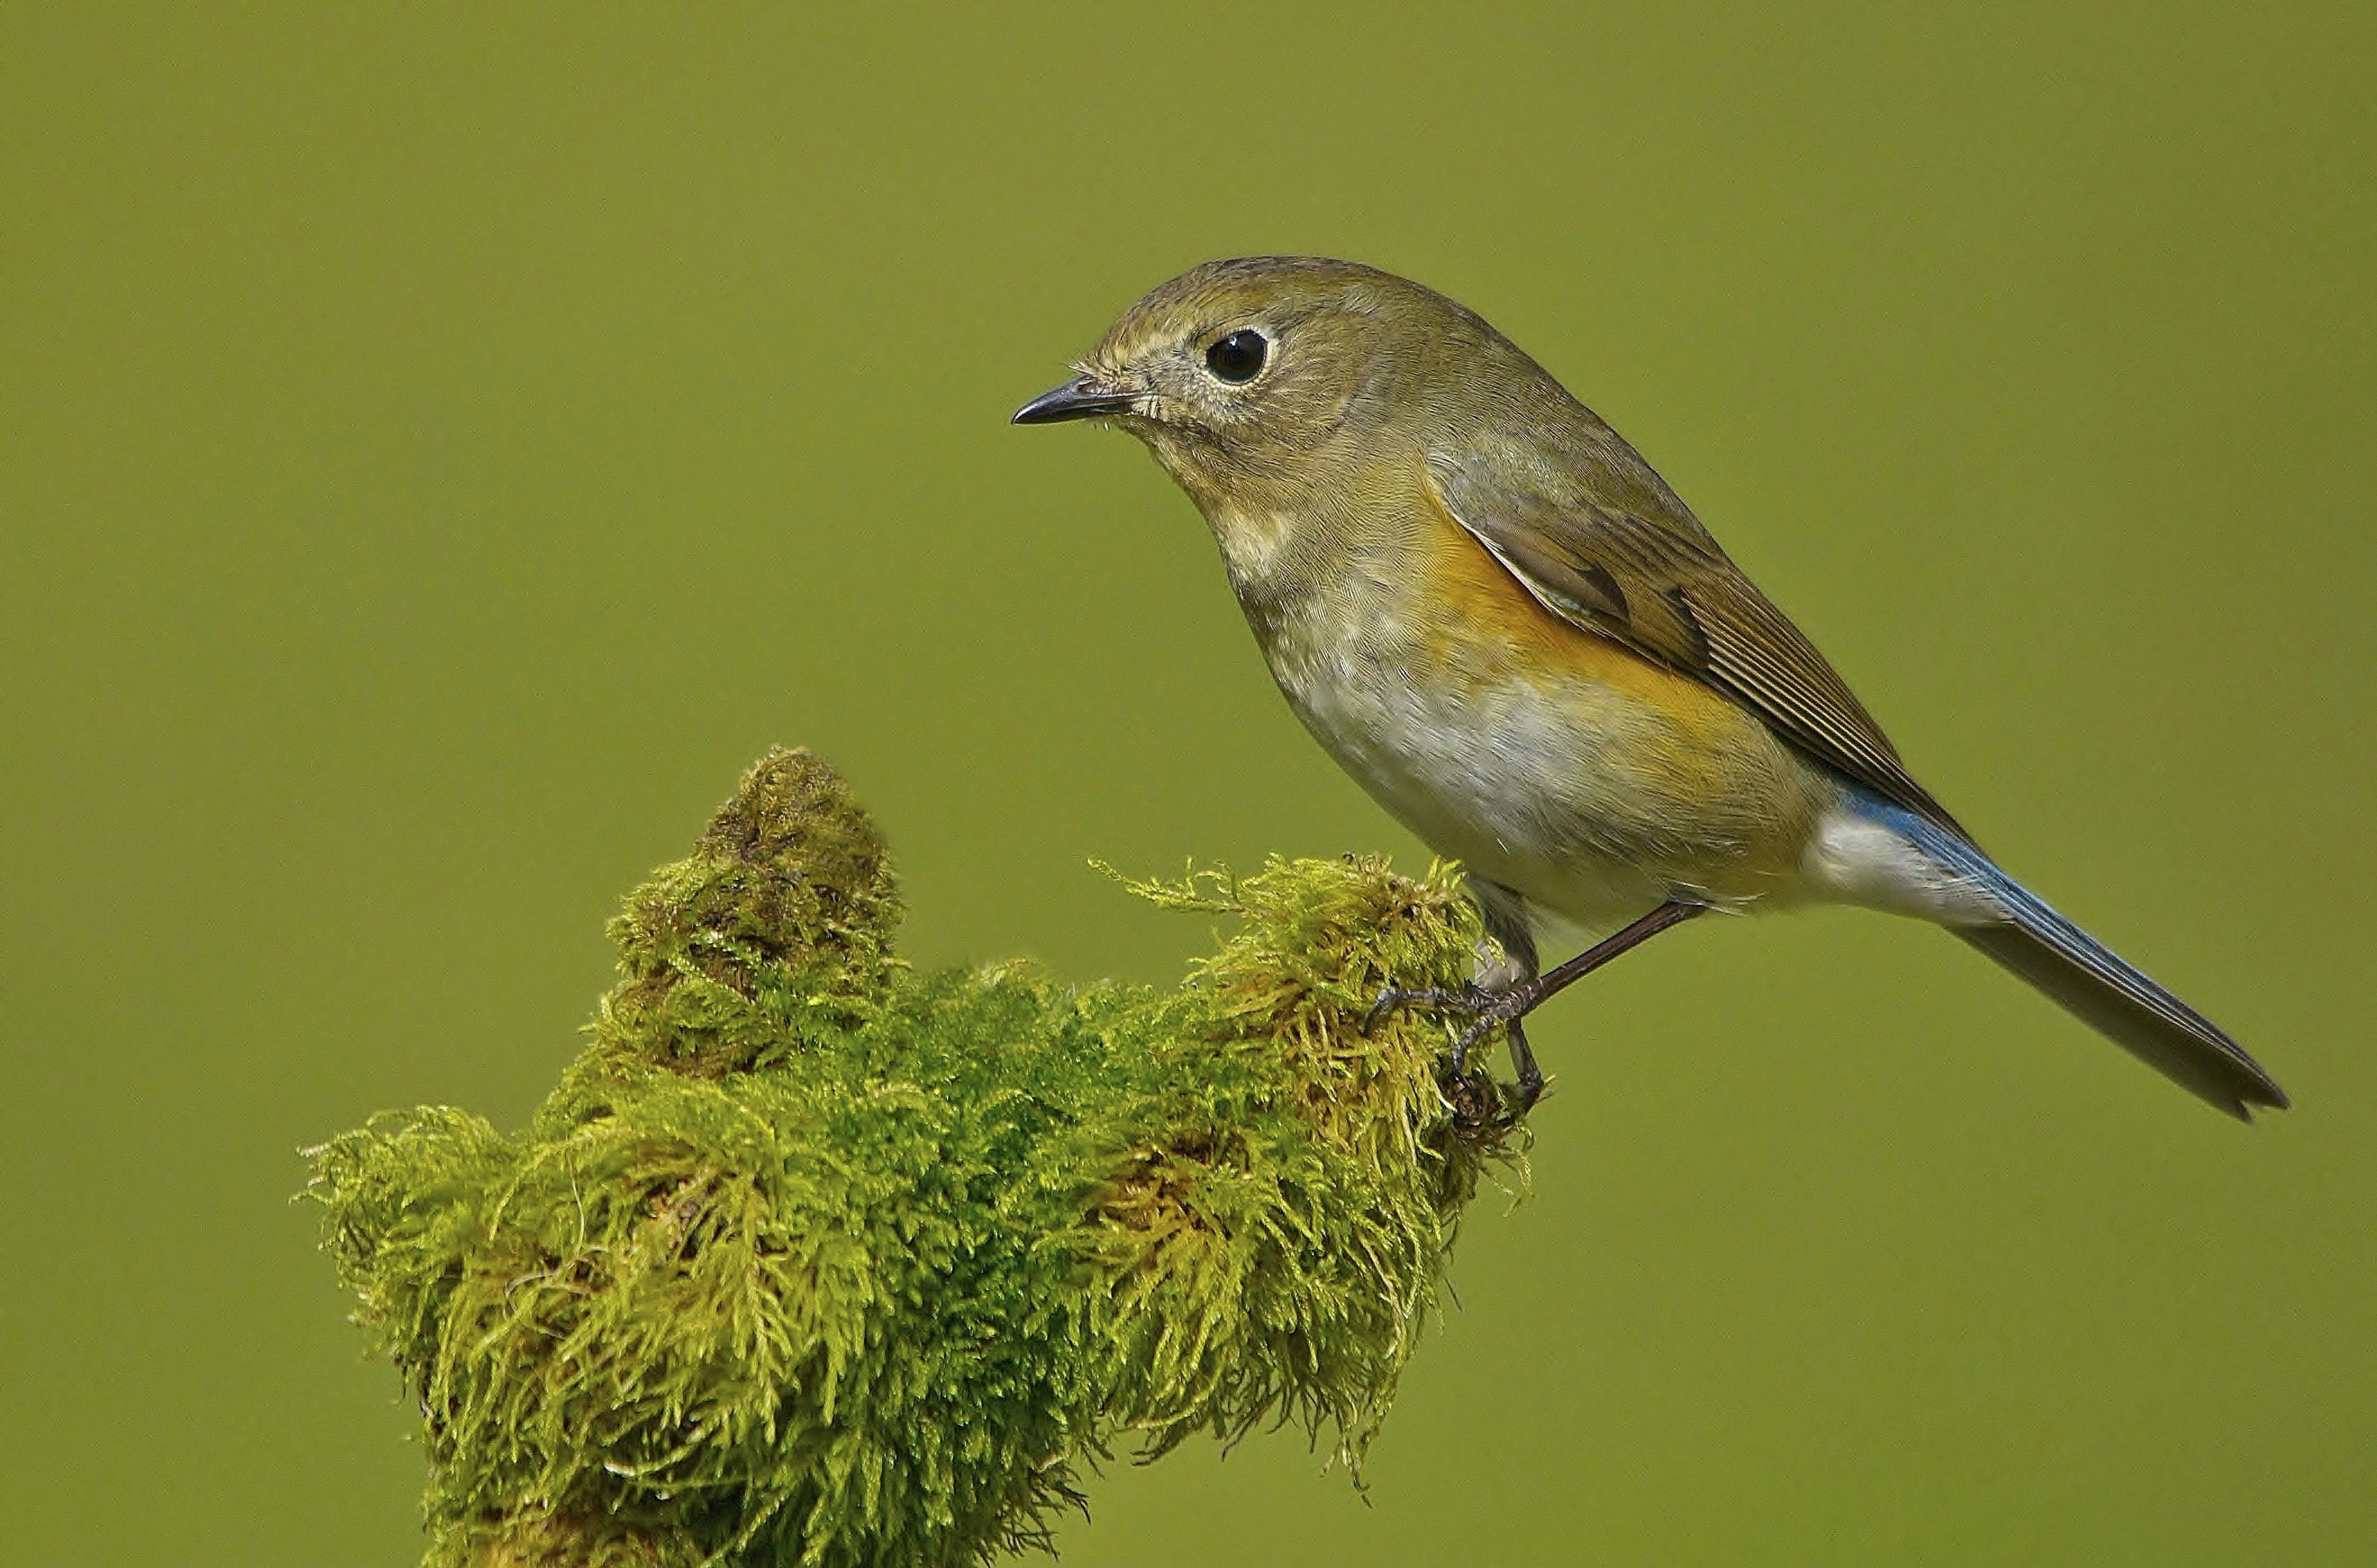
1493 614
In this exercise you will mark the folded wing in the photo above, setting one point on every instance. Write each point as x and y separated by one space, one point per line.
1663 587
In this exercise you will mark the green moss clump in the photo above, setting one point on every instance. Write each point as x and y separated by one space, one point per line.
810 1260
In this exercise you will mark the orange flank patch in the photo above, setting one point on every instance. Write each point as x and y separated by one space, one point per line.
1482 625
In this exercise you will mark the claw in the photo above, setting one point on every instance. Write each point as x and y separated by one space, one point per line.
1523 1095
1469 1037
1495 1011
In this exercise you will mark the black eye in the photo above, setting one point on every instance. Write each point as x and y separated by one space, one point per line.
1238 357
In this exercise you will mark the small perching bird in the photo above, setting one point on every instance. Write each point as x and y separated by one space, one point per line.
1492 612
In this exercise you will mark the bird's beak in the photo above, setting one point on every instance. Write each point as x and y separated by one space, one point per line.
1081 398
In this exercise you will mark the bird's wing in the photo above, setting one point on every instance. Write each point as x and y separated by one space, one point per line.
1663 587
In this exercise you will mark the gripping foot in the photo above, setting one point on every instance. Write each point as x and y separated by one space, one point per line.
1485 1010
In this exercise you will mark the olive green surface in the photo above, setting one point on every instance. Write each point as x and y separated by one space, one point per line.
440 447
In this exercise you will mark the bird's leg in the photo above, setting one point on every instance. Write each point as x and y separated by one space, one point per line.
1528 1086
1487 1009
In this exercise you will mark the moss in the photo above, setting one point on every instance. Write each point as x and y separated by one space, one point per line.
812 1260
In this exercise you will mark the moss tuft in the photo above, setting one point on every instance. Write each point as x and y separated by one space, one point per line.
778 925
811 1259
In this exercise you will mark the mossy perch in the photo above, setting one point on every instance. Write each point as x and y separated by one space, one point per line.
810 1260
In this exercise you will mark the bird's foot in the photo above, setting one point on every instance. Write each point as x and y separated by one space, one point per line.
1487 1010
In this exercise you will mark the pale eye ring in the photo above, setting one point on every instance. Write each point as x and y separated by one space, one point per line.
1238 358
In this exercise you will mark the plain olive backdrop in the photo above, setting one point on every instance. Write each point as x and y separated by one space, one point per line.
441 445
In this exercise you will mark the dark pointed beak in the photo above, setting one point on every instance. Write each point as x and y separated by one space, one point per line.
1077 399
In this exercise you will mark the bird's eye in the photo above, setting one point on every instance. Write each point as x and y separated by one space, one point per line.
1238 358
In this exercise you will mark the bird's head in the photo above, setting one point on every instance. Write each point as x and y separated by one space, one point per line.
1268 371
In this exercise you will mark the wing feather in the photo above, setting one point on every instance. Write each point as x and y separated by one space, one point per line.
1664 587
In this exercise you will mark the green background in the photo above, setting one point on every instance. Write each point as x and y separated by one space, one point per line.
441 446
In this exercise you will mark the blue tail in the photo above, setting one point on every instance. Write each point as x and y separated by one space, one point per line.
2089 980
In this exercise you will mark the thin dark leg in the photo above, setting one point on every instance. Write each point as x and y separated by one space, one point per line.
1528 1086
1535 993
1487 1009
1557 981
1512 928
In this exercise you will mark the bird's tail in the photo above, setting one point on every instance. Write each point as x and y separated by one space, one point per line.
2095 985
